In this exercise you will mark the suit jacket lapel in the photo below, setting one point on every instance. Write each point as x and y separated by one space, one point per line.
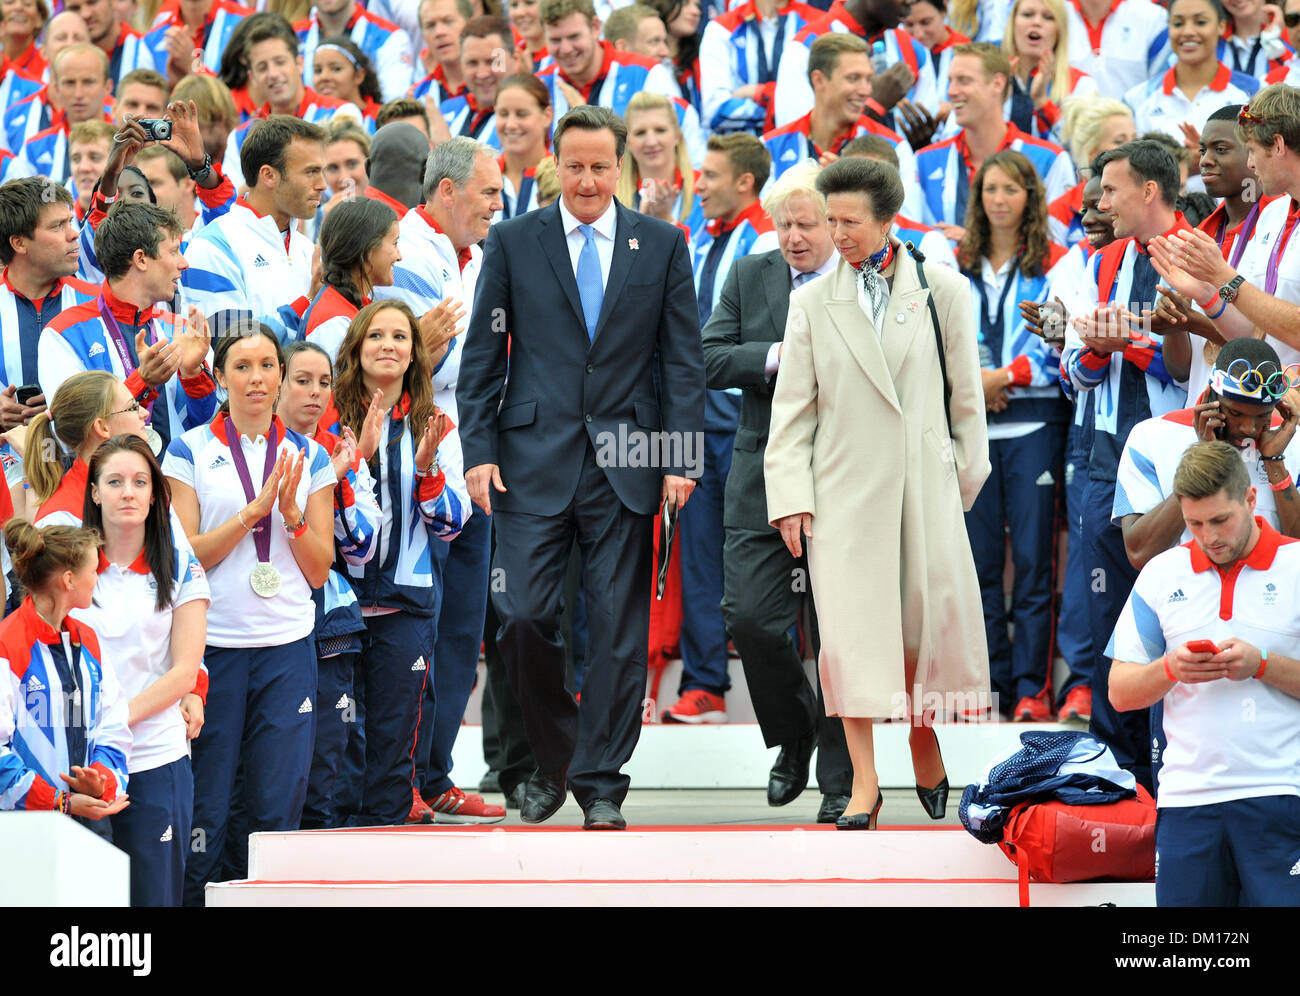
776 288
620 266
556 249
857 332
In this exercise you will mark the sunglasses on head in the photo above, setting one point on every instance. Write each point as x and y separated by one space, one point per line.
1246 117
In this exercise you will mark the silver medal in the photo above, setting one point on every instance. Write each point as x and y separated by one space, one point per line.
153 439
265 580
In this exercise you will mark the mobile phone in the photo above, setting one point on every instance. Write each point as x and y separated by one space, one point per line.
1202 647
25 393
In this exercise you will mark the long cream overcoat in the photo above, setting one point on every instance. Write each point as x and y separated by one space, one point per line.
859 440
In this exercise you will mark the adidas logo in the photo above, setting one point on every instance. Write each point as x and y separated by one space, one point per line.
95 349
34 684
220 461
1045 478
305 707
1295 868
1177 596
167 835
260 261
342 702
419 665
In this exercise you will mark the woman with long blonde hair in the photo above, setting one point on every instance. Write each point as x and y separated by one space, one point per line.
1037 41
659 180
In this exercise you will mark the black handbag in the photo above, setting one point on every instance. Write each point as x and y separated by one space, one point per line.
919 257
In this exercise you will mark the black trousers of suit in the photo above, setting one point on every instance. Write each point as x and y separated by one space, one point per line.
589 742
763 591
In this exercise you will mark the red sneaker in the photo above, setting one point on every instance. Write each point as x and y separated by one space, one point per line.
454 806
1033 710
697 706
1078 704
420 811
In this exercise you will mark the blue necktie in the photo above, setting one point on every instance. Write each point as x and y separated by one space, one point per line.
590 286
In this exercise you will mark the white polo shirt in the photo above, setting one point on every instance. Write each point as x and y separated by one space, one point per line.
1118 56
1255 262
239 617
1227 740
1159 105
1151 456
135 639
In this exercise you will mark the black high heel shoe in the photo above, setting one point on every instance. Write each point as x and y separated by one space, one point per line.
935 800
862 821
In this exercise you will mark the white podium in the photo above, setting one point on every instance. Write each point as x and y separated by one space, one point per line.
51 860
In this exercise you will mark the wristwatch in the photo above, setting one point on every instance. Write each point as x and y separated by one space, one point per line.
203 172
1229 290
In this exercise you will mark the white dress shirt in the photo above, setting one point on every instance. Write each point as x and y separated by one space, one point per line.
603 226
773 362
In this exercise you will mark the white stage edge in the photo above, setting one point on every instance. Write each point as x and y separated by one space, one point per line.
51 860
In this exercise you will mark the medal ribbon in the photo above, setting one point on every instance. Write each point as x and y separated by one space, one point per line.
119 343
261 531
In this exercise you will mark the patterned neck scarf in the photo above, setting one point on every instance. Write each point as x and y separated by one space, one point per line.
873 292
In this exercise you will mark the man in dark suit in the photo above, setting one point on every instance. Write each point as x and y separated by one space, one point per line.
591 308
763 590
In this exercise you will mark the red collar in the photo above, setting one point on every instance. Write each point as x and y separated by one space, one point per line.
124 311
139 565
37 630
462 256
1094 33
218 427
439 76
837 12
804 124
30 63
954 38
375 194
58 286
752 213
1259 559
607 60
308 97
1179 224
1220 82
963 149
288 235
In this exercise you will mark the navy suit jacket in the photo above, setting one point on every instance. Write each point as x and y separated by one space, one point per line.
641 381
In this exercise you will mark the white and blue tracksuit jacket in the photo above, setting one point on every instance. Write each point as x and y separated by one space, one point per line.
387 45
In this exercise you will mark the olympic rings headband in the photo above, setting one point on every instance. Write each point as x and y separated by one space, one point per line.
342 51
1262 384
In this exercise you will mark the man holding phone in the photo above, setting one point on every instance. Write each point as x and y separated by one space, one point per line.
1211 629
40 253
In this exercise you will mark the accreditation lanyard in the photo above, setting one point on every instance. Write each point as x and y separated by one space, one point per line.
261 531
991 327
115 335
74 719
520 203
767 74
1284 237
1243 235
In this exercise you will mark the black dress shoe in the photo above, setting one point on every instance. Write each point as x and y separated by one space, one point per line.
515 797
543 797
862 821
832 807
604 814
789 776
934 800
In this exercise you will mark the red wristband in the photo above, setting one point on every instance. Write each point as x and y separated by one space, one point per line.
1168 673
1263 663
1283 484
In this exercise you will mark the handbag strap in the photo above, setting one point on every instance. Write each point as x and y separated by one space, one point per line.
919 257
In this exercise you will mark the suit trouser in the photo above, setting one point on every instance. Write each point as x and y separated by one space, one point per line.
505 746
700 536
260 720
336 713
154 831
1111 578
764 590
1013 500
590 741
391 675
1073 635
463 564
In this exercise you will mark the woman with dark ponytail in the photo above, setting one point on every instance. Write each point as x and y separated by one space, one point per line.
64 739
151 614
358 247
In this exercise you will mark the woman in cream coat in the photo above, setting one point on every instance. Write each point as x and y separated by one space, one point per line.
859 461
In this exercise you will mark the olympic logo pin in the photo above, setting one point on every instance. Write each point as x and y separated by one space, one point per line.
633 244
913 305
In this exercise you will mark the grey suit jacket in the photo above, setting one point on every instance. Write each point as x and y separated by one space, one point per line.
749 317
